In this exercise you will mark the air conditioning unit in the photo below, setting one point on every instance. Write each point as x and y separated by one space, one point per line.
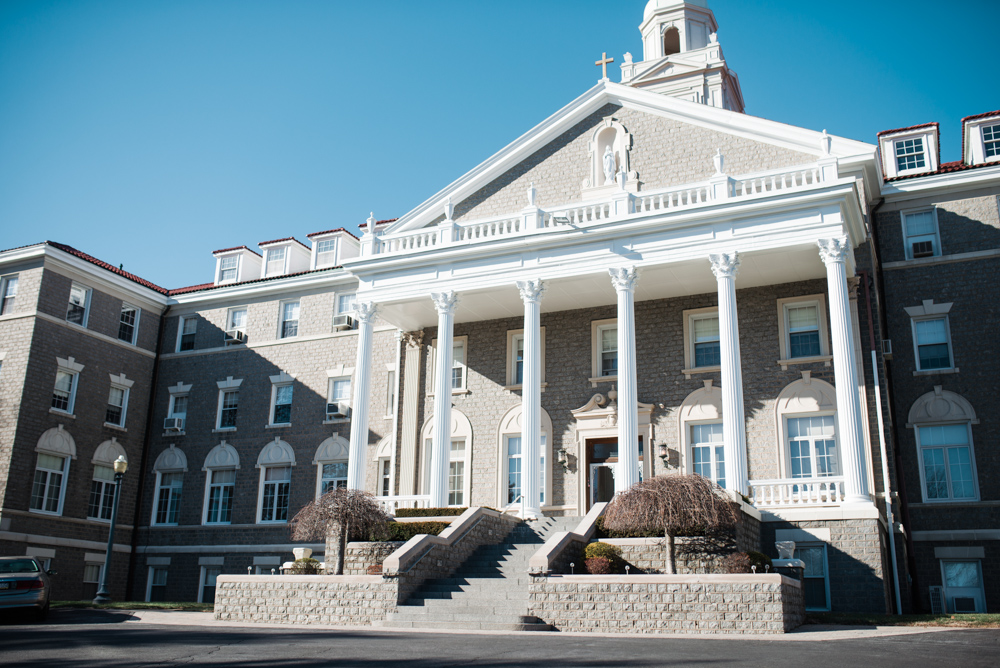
339 409
342 322
173 424
937 600
236 336
923 249
887 349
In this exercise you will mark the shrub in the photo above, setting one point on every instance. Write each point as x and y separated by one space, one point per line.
760 560
374 569
429 512
598 565
306 566
737 562
606 551
404 531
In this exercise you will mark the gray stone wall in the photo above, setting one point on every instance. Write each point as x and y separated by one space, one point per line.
361 556
650 604
350 600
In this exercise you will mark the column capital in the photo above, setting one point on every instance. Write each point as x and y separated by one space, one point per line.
531 291
833 250
624 278
365 311
414 339
445 302
725 265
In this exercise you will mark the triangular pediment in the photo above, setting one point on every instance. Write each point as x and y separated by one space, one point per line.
674 66
672 144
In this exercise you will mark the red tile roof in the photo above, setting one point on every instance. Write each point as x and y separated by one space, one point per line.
235 248
912 127
946 168
978 116
213 286
339 229
275 241
380 222
104 265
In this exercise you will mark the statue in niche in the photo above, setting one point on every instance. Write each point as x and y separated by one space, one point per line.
609 165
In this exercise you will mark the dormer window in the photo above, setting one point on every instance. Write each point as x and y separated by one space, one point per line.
229 268
981 138
910 154
276 261
326 252
909 151
991 141
233 265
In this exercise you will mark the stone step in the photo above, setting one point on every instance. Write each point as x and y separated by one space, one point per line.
460 616
437 608
480 626
459 595
469 601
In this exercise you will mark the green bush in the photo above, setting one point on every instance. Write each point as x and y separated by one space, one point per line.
306 566
598 566
404 531
429 512
607 551
759 559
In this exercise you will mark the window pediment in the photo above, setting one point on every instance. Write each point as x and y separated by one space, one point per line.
58 442
807 395
333 449
108 451
941 406
928 307
171 459
222 456
275 453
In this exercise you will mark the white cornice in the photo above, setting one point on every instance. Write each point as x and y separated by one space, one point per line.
951 181
313 280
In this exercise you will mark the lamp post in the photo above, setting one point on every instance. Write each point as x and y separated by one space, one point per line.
103 596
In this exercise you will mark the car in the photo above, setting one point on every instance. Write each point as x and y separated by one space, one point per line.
24 583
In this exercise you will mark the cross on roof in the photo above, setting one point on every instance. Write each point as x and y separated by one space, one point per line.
603 62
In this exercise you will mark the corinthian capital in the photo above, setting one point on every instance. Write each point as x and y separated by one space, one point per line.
364 312
725 265
833 250
531 291
624 278
445 302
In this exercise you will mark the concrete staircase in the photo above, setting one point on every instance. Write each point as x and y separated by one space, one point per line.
489 591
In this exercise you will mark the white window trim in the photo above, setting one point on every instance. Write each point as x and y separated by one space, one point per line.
62 487
928 310
907 247
229 320
461 431
281 380
944 581
260 491
284 261
201 581
689 446
156 500
224 386
3 289
218 268
783 343
71 401
512 335
391 391
826 573
135 325
122 383
336 302
464 365
315 264
149 577
691 315
596 327
180 329
920 463
86 304
887 147
93 479
208 489
319 473
281 319
786 463
975 144
509 426
808 397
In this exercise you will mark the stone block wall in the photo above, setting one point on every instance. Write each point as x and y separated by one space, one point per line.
352 600
732 604
360 556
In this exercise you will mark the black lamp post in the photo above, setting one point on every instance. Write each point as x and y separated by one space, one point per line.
103 596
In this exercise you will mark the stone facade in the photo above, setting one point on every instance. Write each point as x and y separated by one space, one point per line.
349 600
362 556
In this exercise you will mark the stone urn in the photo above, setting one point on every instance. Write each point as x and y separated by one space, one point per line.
786 549
302 552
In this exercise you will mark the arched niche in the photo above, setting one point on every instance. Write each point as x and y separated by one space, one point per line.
941 406
335 448
704 405
276 453
800 399
108 451
609 133
671 40
461 430
222 456
171 460
57 441
511 425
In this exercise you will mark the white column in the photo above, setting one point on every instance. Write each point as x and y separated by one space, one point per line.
725 266
531 399
365 315
624 280
852 443
445 303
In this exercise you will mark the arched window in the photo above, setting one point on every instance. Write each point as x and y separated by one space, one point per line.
942 424
331 464
384 459
275 463
55 450
671 41
220 481
102 487
459 480
700 420
511 464
170 468
806 418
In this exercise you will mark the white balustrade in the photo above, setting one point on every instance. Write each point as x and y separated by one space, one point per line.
671 199
770 183
797 492
489 229
409 241
579 215
391 504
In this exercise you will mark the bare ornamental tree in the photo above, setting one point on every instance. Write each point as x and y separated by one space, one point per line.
336 517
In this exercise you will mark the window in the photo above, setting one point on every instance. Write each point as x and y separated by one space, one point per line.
64 392
385 468
705 341
812 447
963 585
604 350
910 154
920 234
333 476
932 343
102 493
168 497
456 473
276 261
708 454
229 403
803 330
390 393
208 577
221 484
157 585
274 493
186 330
281 404
514 469
8 292
79 303
345 303
515 357
91 579
326 252
289 320
47 488
991 140
947 465
178 406
815 578
117 405
128 323
229 268
236 325
458 366
338 391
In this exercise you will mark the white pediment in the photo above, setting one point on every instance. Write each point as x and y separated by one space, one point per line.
222 456
276 453
108 451
171 459
333 449
57 441
941 406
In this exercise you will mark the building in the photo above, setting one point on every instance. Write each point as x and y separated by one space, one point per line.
649 281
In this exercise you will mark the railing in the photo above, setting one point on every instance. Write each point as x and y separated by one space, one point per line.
579 214
409 241
391 503
770 183
489 229
672 199
797 492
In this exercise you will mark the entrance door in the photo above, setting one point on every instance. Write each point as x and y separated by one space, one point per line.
602 483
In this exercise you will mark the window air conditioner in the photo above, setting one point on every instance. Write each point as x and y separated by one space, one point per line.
341 322
338 409
236 336
937 600
887 349
923 249
173 424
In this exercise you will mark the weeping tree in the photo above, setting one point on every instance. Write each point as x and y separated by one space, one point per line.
336 517
673 504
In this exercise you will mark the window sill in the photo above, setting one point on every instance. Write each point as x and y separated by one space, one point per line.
168 434
602 379
56 411
44 512
454 391
337 421
278 426
116 427
815 359
223 430
216 524
272 522
520 386
99 520
931 372
702 369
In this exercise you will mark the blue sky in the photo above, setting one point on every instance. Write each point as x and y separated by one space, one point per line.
152 133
